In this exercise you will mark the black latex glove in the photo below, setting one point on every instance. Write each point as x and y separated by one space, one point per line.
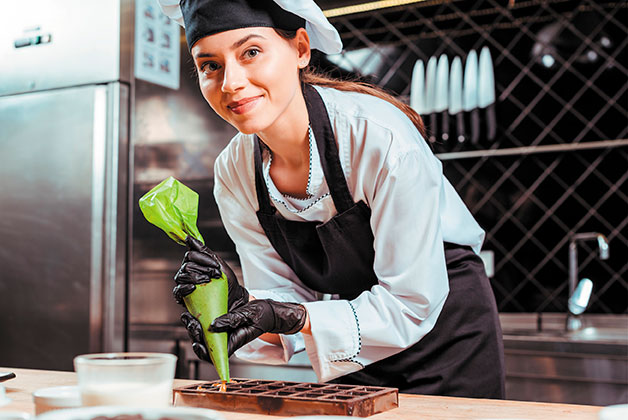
249 321
201 265
195 331
246 323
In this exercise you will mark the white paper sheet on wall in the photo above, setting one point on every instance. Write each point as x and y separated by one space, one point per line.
156 45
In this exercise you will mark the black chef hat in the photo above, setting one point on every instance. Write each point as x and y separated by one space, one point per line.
207 17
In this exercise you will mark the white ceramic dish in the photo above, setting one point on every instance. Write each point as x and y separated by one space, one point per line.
14 415
614 412
55 398
88 413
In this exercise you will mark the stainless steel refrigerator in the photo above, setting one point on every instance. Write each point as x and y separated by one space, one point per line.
65 72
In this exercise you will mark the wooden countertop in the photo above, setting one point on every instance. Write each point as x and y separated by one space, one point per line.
410 406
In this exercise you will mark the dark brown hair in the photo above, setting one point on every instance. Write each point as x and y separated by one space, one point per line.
310 76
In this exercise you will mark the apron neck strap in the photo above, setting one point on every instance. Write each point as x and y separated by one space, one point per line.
327 149
260 185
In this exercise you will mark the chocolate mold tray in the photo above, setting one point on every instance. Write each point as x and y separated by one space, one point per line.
288 398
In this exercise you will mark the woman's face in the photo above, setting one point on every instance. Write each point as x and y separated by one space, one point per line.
250 76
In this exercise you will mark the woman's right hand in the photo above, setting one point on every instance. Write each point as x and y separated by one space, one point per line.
201 265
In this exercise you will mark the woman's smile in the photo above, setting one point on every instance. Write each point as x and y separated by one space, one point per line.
250 77
244 105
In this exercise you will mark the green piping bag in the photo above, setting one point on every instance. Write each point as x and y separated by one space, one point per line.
173 207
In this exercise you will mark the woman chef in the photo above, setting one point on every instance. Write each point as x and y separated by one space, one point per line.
346 229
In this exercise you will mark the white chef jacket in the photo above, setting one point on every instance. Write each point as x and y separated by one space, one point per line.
414 209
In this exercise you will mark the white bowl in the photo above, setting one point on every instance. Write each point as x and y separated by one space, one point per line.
55 398
14 415
614 412
88 413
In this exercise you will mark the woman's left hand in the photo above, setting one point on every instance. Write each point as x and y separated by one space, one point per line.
201 265
251 320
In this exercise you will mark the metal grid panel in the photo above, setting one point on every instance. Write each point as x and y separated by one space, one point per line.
529 204
582 97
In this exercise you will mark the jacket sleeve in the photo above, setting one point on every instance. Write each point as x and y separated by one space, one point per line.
264 273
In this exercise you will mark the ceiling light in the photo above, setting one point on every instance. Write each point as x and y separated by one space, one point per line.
366 7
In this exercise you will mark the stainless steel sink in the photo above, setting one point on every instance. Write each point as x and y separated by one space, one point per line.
603 335
609 331
606 328
546 363
587 334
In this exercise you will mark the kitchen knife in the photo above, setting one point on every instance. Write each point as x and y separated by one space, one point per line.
455 96
430 96
417 88
441 104
470 94
486 91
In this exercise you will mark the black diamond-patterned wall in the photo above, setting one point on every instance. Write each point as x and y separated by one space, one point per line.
529 205
531 200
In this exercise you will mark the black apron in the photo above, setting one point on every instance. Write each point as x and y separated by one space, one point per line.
461 356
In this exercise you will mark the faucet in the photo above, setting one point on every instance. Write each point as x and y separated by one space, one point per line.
579 296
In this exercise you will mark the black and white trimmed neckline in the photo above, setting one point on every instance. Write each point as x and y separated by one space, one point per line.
281 199
308 191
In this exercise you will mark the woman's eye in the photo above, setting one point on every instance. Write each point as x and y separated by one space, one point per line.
210 67
251 53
